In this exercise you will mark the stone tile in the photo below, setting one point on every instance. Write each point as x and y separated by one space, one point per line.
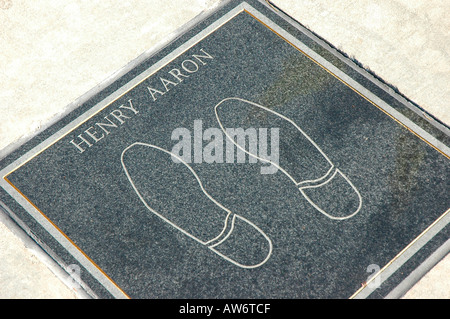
362 177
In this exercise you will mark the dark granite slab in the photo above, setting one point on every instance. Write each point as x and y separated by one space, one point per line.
144 189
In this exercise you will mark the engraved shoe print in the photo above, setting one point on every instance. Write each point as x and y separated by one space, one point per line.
323 185
170 188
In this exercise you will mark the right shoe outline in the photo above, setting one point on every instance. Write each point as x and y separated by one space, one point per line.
231 222
333 174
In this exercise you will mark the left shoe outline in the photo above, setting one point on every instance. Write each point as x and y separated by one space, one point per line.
226 239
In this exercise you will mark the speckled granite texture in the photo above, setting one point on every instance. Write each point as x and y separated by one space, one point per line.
127 244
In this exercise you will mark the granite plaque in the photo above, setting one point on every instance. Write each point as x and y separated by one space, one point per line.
246 159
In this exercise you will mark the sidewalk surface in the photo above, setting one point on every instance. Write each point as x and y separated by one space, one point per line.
53 52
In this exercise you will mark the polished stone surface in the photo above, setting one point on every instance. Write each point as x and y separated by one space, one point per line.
83 184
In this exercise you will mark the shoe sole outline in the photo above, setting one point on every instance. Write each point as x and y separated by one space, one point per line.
223 236
314 183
